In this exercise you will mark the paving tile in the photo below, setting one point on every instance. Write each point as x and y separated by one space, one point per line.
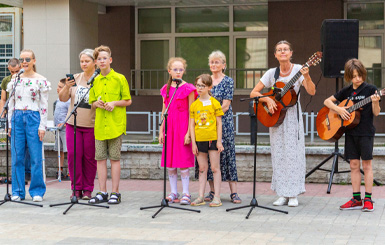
317 220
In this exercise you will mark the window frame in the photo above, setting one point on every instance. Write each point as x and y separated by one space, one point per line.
231 34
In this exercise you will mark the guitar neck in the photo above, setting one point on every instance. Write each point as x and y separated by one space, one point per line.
360 104
292 81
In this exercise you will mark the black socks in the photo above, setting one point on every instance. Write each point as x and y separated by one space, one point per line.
368 195
357 196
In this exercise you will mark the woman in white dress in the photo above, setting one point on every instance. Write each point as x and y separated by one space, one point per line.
287 140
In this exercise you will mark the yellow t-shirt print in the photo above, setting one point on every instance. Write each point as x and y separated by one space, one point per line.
203 119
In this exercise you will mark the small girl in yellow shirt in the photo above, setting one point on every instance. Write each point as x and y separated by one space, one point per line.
206 137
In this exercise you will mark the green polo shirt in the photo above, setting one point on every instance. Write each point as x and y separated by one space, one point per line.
5 82
113 87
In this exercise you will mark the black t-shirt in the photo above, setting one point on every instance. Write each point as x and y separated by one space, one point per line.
365 127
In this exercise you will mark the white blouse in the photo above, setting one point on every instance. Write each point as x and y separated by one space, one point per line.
30 94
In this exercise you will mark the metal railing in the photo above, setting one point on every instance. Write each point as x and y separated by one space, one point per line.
147 79
309 124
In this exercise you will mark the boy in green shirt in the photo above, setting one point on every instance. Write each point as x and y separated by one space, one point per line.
111 95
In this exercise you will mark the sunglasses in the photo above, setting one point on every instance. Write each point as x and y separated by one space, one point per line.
26 60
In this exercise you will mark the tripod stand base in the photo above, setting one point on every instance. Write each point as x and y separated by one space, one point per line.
7 198
74 200
164 204
254 204
334 170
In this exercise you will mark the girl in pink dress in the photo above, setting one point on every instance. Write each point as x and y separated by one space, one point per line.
179 150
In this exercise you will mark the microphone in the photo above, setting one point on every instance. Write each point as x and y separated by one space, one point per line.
178 81
97 71
20 72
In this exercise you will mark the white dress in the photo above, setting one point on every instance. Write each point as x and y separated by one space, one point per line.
287 144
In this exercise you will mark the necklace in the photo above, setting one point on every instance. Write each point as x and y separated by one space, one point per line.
287 73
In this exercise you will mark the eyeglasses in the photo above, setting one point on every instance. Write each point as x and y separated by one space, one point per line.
178 70
282 50
200 86
217 62
26 60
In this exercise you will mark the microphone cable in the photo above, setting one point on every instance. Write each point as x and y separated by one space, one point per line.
13 133
311 97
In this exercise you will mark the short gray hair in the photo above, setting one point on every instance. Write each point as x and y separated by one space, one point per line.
88 52
217 54
13 62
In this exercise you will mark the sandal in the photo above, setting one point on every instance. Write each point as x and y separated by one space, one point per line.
100 197
115 198
198 202
186 199
235 198
210 196
216 202
173 198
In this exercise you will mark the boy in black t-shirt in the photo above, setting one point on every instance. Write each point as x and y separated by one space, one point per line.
358 140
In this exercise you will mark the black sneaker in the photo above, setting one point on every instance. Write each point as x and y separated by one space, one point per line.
65 177
98 198
115 198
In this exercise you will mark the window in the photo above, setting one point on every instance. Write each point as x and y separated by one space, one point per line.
370 52
371 37
198 50
239 31
251 53
208 19
370 15
6 42
154 20
154 54
250 18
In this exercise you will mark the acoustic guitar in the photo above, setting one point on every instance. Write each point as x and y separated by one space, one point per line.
284 96
331 127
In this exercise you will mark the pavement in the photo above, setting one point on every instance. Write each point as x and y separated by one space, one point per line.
317 219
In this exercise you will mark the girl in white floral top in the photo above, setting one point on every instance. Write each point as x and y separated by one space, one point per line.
27 124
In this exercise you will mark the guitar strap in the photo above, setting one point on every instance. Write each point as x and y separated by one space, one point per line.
276 75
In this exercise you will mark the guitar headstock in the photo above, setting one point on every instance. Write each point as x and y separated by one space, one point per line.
315 59
381 92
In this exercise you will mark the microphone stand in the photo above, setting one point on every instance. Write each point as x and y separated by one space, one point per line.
254 203
7 197
74 199
164 202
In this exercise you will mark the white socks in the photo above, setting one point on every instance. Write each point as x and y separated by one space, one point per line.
185 176
173 177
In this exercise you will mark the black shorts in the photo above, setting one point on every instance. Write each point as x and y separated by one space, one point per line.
206 146
359 147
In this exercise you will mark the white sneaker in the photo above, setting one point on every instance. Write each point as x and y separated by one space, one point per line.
15 198
37 199
293 202
281 201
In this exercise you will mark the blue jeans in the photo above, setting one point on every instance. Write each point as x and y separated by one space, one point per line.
25 125
27 162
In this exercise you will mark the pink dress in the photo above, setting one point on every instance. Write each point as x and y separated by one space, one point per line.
178 154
